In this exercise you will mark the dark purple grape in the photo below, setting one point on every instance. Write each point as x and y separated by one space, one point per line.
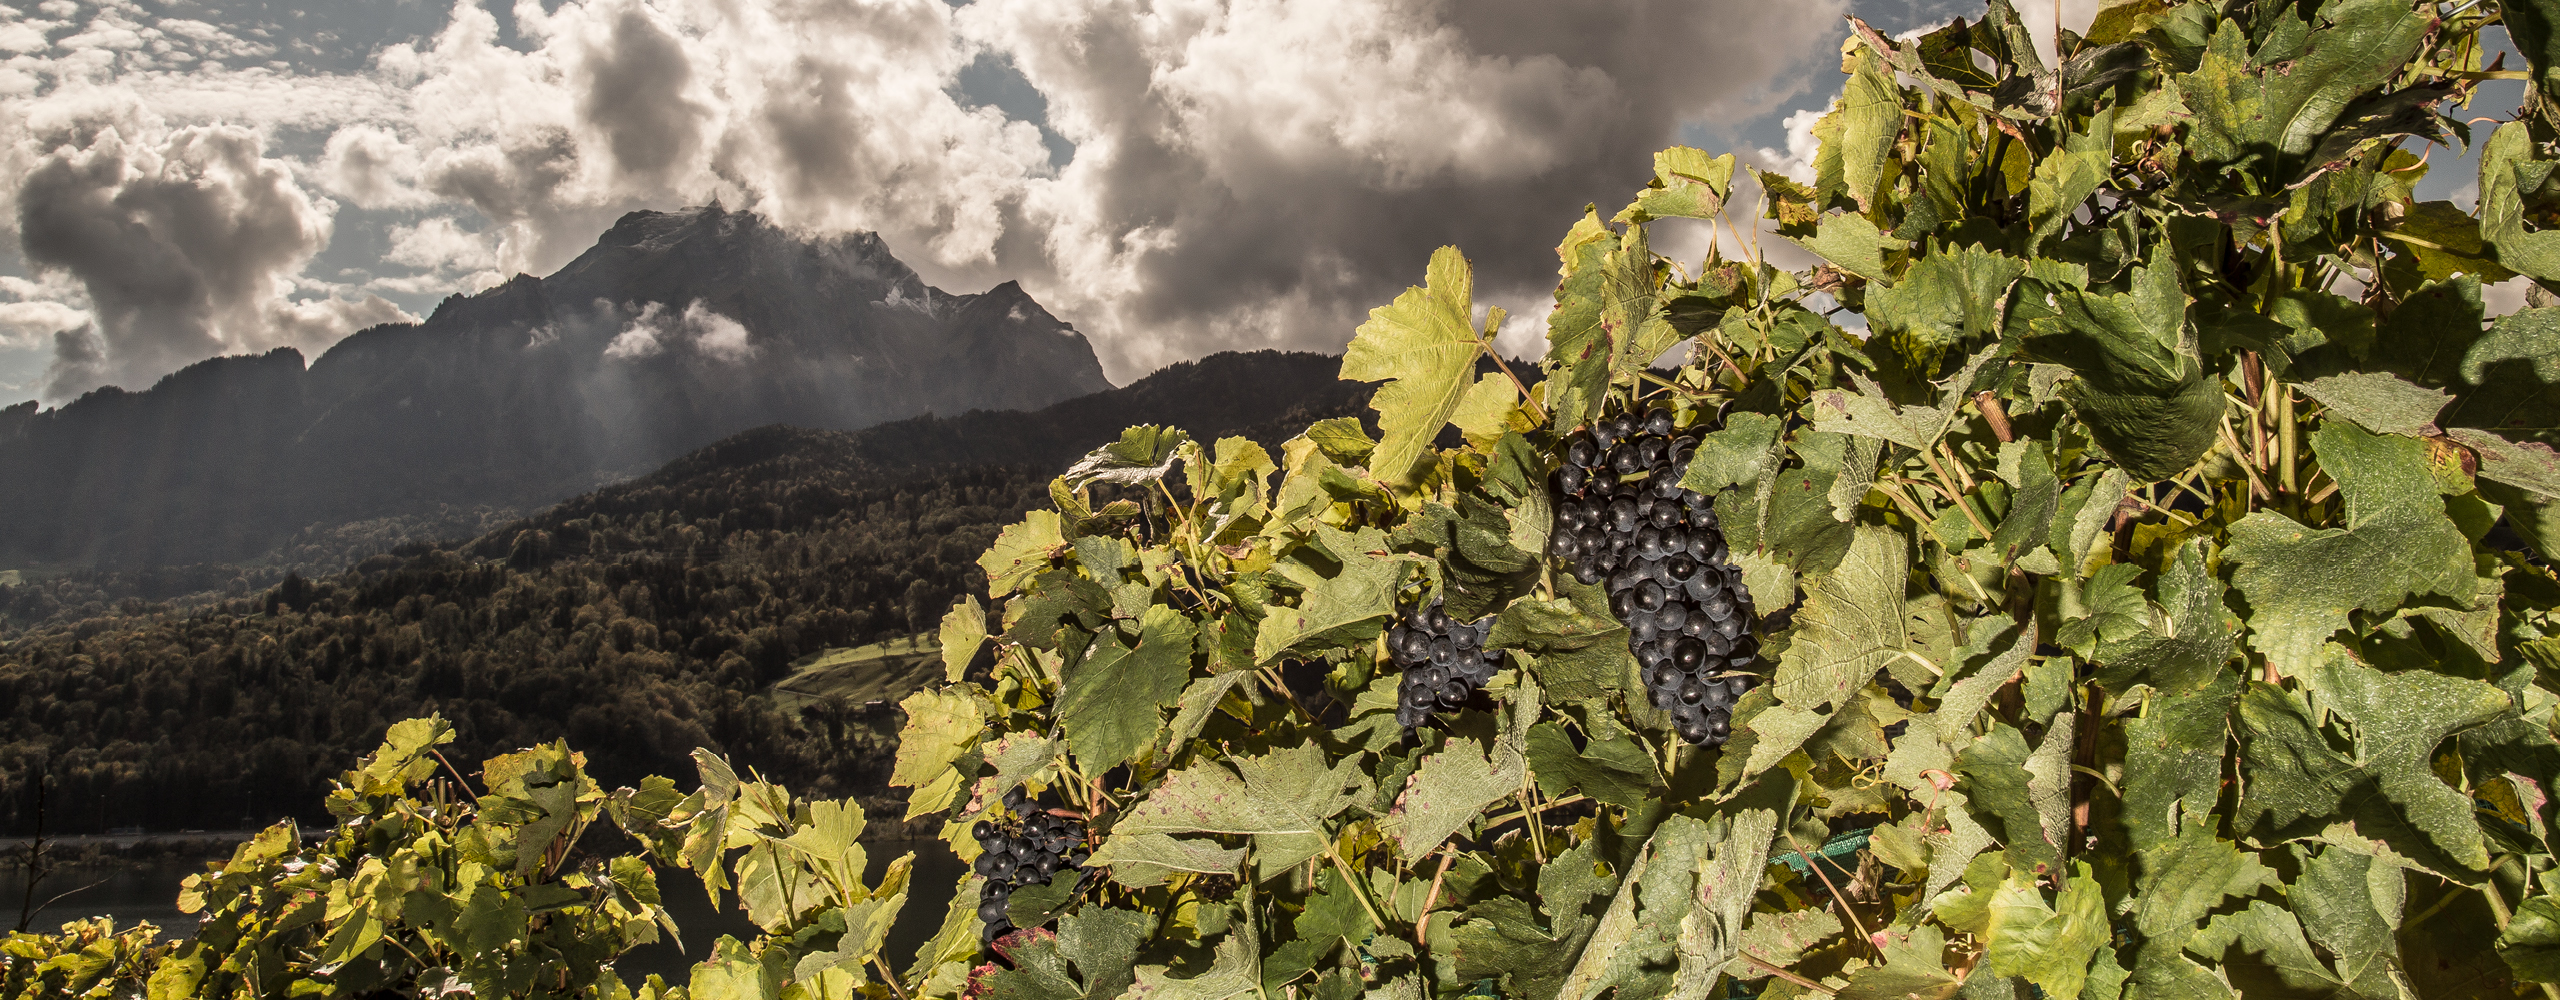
1658 421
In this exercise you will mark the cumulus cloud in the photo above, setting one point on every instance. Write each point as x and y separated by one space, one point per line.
371 167
718 337
639 338
654 330
1244 173
439 244
186 248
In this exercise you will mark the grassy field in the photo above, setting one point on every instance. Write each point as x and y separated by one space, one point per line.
885 671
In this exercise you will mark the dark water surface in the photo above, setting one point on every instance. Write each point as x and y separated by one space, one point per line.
150 892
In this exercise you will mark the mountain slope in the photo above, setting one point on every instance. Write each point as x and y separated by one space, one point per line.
639 621
673 331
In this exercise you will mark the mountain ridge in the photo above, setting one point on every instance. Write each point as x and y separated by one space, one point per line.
675 330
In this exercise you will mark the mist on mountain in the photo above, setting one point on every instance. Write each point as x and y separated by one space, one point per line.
675 330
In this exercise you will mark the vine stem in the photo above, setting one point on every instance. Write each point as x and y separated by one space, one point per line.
2288 440
1422 924
889 977
1963 475
1271 678
1752 957
1535 410
1953 496
1537 819
2256 485
1359 886
1837 897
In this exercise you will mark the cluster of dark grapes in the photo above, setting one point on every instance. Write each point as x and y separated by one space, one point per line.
1443 659
1622 517
1028 851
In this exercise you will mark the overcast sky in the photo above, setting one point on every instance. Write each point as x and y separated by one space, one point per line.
1175 177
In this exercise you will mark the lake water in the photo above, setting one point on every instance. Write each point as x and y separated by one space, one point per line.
150 892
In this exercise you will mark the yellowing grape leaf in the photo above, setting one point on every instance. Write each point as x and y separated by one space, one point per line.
1424 346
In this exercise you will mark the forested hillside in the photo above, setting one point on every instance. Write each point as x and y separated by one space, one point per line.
639 621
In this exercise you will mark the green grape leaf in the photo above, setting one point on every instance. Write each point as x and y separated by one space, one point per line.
1143 452
1113 704
1943 300
1424 346
1483 415
1687 183
2530 466
866 926
2303 583
1235 972
1867 412
2531 943
1852 244
1914 968
2383 780
1015 758
1735 454
1341 439
1611 767
2064 180
1851 624
2284 959
2380 402
1996 777
1787 515
2510 169
1785 937
2146 401
2244 108
1454 785
2445 241
403 758
1603 961
2028 469
2182 880
1036 904
1713 930
1282 798
1139 860
1581 351
1104 945
1331 918
2511 378
2109 606
2048 945
2351 904
2530 27
1579 647
1870 119
1357 594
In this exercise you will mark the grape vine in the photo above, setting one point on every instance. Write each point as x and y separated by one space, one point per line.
2116 565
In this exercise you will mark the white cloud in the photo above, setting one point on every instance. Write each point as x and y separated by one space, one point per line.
187 246
654 329
1245 172
437 244
718 337
370 167
639 338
